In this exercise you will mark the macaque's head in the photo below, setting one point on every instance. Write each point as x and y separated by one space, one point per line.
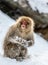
25 24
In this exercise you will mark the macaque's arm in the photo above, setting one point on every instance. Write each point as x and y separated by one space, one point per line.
20 41
17 41
12 40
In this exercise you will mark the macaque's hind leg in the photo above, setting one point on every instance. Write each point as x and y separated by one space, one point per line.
23 52
12 50
22 55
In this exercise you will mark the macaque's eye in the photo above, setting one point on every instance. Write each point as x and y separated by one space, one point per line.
21 23
28 23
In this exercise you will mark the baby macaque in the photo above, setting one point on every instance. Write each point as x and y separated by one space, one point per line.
18 38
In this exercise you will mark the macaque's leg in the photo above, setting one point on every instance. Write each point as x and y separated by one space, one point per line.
12 50
23 52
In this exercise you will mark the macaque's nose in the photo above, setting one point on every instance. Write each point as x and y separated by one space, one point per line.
24 22
23 25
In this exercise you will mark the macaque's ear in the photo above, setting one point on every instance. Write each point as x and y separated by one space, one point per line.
31 21
33 24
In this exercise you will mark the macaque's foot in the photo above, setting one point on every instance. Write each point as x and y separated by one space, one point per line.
22 58
26 57
19 58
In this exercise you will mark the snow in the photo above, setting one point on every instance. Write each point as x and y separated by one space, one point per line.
41 5
14 0
38 52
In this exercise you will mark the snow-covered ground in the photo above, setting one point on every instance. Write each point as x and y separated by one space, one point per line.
38 53
41 5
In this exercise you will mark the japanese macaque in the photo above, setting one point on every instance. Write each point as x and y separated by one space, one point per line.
18 38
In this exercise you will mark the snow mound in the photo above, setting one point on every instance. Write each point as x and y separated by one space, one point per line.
38 53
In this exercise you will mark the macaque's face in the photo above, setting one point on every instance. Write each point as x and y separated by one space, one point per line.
24 24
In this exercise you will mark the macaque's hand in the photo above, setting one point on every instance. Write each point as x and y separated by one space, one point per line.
21 41
26 43
30 43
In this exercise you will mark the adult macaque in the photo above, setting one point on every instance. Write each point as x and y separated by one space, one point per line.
19 36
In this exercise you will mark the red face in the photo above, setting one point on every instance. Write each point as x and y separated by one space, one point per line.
23 25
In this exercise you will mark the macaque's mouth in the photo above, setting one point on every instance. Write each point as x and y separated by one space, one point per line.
23 26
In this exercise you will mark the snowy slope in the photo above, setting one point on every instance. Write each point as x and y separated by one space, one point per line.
38 53
41 5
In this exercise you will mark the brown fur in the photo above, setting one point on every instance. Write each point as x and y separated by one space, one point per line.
15 50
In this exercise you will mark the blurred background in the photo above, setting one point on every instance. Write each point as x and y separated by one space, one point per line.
36 9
